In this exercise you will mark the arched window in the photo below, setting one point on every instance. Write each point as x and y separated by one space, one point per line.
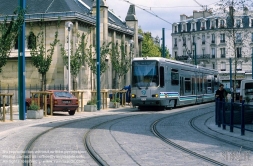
31 43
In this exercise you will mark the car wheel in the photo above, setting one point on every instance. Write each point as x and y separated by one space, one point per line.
48 110
72 112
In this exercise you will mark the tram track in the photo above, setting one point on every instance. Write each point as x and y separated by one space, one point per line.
192 124
27 158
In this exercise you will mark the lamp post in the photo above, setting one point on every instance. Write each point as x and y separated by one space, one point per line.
69 25
131 54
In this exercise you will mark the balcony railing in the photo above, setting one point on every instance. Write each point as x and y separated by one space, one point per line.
186 57
222 41
223 56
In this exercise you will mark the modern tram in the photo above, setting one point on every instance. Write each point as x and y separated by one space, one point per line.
168 83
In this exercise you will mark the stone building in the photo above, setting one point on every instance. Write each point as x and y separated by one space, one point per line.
82 13
214 40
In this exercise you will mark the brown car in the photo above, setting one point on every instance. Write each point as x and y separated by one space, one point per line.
62 101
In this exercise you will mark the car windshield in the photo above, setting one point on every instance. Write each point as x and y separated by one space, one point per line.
248 88
63 94
145 74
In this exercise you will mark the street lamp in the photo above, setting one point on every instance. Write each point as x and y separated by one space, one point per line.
69 25
131 54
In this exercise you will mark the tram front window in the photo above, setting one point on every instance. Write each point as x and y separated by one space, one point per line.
145 74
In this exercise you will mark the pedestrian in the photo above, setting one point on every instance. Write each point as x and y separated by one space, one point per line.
221 93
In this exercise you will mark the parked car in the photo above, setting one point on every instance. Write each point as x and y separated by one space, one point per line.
62 101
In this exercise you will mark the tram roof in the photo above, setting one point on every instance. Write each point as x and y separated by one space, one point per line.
161 59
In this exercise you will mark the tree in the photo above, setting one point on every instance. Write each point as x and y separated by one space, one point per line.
91 60
120 62
9 30
77 59
42 58
233 32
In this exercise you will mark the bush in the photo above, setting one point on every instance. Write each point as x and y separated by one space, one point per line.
92 102
117 100
34 106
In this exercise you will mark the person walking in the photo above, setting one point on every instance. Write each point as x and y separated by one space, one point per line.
221 93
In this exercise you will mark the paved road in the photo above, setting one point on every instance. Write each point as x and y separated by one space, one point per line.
121 142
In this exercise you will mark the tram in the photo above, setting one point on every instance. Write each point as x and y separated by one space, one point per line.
168 83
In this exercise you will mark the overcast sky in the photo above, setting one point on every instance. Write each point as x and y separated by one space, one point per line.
168 10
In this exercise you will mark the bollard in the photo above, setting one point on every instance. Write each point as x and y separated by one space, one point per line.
218 111
232 115
223 115
242 119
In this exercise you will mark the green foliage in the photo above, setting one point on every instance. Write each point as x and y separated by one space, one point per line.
92 102
149 48
34 106
9 29
42 58
120 61
116 100
92 63
77 58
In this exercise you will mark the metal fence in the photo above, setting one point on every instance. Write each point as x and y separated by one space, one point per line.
234 115
14 90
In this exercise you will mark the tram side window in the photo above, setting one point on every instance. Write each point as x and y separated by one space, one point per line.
174 77
187 84
162 76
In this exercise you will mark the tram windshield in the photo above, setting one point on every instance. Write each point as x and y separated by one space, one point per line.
145 74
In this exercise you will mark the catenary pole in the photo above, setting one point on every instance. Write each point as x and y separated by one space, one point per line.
98 53
21 66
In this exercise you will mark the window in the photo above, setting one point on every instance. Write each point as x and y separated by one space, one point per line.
222 23
238 23
202 25
251 22
184 27
251 37
16 44
174 77
222 37
203 52
213 65
187 85
213 38
203 39
193 26
213 52
212 24
223 66
239 52
193 39
175 53
238 37
184 41
239 66
222 52
161 76
175 42
31 41
175 29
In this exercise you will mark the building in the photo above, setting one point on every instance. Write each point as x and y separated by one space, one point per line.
215 38
82 13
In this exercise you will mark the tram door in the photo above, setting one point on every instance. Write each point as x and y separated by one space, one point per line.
181 86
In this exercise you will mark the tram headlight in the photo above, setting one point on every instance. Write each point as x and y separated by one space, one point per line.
133 95
155 95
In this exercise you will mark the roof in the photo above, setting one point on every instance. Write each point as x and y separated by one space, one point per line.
83 7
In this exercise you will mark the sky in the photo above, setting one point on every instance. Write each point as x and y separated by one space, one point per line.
166 12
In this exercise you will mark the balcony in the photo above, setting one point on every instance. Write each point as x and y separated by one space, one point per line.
213 56
203 42
175 45
213 41
223 56
222 41
222 26
202 28
182 58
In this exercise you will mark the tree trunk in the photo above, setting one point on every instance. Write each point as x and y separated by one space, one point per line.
43 82
74 84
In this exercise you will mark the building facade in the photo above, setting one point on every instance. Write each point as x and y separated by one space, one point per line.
82 13
211 40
